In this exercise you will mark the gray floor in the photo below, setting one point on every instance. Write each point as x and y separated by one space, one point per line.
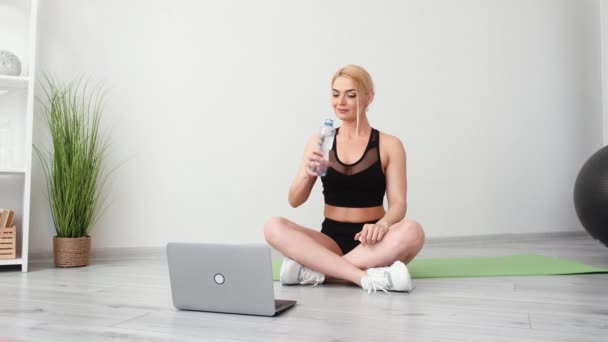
128 298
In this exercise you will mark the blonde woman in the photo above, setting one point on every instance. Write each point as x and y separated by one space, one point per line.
360 241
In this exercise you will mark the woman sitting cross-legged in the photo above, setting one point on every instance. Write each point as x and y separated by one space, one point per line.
359 241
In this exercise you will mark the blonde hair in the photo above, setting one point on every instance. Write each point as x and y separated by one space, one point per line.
360 77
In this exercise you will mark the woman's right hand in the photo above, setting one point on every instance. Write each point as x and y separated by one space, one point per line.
313 162
308 171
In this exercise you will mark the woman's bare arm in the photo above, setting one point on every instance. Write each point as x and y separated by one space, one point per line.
302 184
396 179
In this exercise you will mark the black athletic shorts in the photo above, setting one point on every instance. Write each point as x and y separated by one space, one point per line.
343 233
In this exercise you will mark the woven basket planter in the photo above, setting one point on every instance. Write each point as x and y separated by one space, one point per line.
71 252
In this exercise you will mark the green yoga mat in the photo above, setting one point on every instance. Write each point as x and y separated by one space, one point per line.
513 265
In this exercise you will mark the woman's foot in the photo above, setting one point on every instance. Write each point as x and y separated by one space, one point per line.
392 278
293 273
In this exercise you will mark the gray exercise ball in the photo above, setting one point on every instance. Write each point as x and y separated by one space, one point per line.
9 64
591 195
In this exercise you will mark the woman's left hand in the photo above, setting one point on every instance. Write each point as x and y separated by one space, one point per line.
372 233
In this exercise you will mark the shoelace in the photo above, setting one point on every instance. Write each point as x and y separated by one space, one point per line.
307 275
377 281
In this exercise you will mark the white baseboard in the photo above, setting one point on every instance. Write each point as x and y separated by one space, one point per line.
159 252
506 237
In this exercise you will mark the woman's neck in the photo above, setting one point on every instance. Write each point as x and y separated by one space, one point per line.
349 128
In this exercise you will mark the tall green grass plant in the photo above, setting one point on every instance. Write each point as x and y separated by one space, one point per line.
74 165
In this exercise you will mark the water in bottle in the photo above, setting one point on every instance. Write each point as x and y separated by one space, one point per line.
326 142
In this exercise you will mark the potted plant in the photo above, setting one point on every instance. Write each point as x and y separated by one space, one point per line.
74 166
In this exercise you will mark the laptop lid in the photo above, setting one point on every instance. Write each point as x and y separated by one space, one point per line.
221 278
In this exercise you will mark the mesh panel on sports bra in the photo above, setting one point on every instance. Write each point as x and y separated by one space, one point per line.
370 157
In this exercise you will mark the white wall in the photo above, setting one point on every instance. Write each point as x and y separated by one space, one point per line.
604 38
210 104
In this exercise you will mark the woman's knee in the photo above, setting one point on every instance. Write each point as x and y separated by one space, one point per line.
273 228
410 234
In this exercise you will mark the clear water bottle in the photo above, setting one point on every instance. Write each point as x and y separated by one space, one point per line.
326 142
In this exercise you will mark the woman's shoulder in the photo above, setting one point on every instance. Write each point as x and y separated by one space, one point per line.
391 147
390 141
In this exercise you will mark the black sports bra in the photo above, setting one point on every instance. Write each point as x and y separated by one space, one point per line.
358 185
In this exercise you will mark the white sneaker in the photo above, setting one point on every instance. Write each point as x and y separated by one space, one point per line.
395 277
294 273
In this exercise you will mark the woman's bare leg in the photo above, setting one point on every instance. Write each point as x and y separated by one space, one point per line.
403 241
310 248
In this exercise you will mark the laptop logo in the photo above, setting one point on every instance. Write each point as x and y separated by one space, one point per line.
219 279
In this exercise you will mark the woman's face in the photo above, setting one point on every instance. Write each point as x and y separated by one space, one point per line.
344 99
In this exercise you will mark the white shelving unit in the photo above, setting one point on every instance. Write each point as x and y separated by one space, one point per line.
18 35
13 82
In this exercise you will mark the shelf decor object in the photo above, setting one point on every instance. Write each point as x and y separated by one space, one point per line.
9 64
8 235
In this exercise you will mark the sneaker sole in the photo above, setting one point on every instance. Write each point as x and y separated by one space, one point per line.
281 272
404 278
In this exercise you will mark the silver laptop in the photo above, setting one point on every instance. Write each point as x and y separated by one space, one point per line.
223 278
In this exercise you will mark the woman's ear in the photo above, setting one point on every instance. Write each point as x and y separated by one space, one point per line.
370 98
